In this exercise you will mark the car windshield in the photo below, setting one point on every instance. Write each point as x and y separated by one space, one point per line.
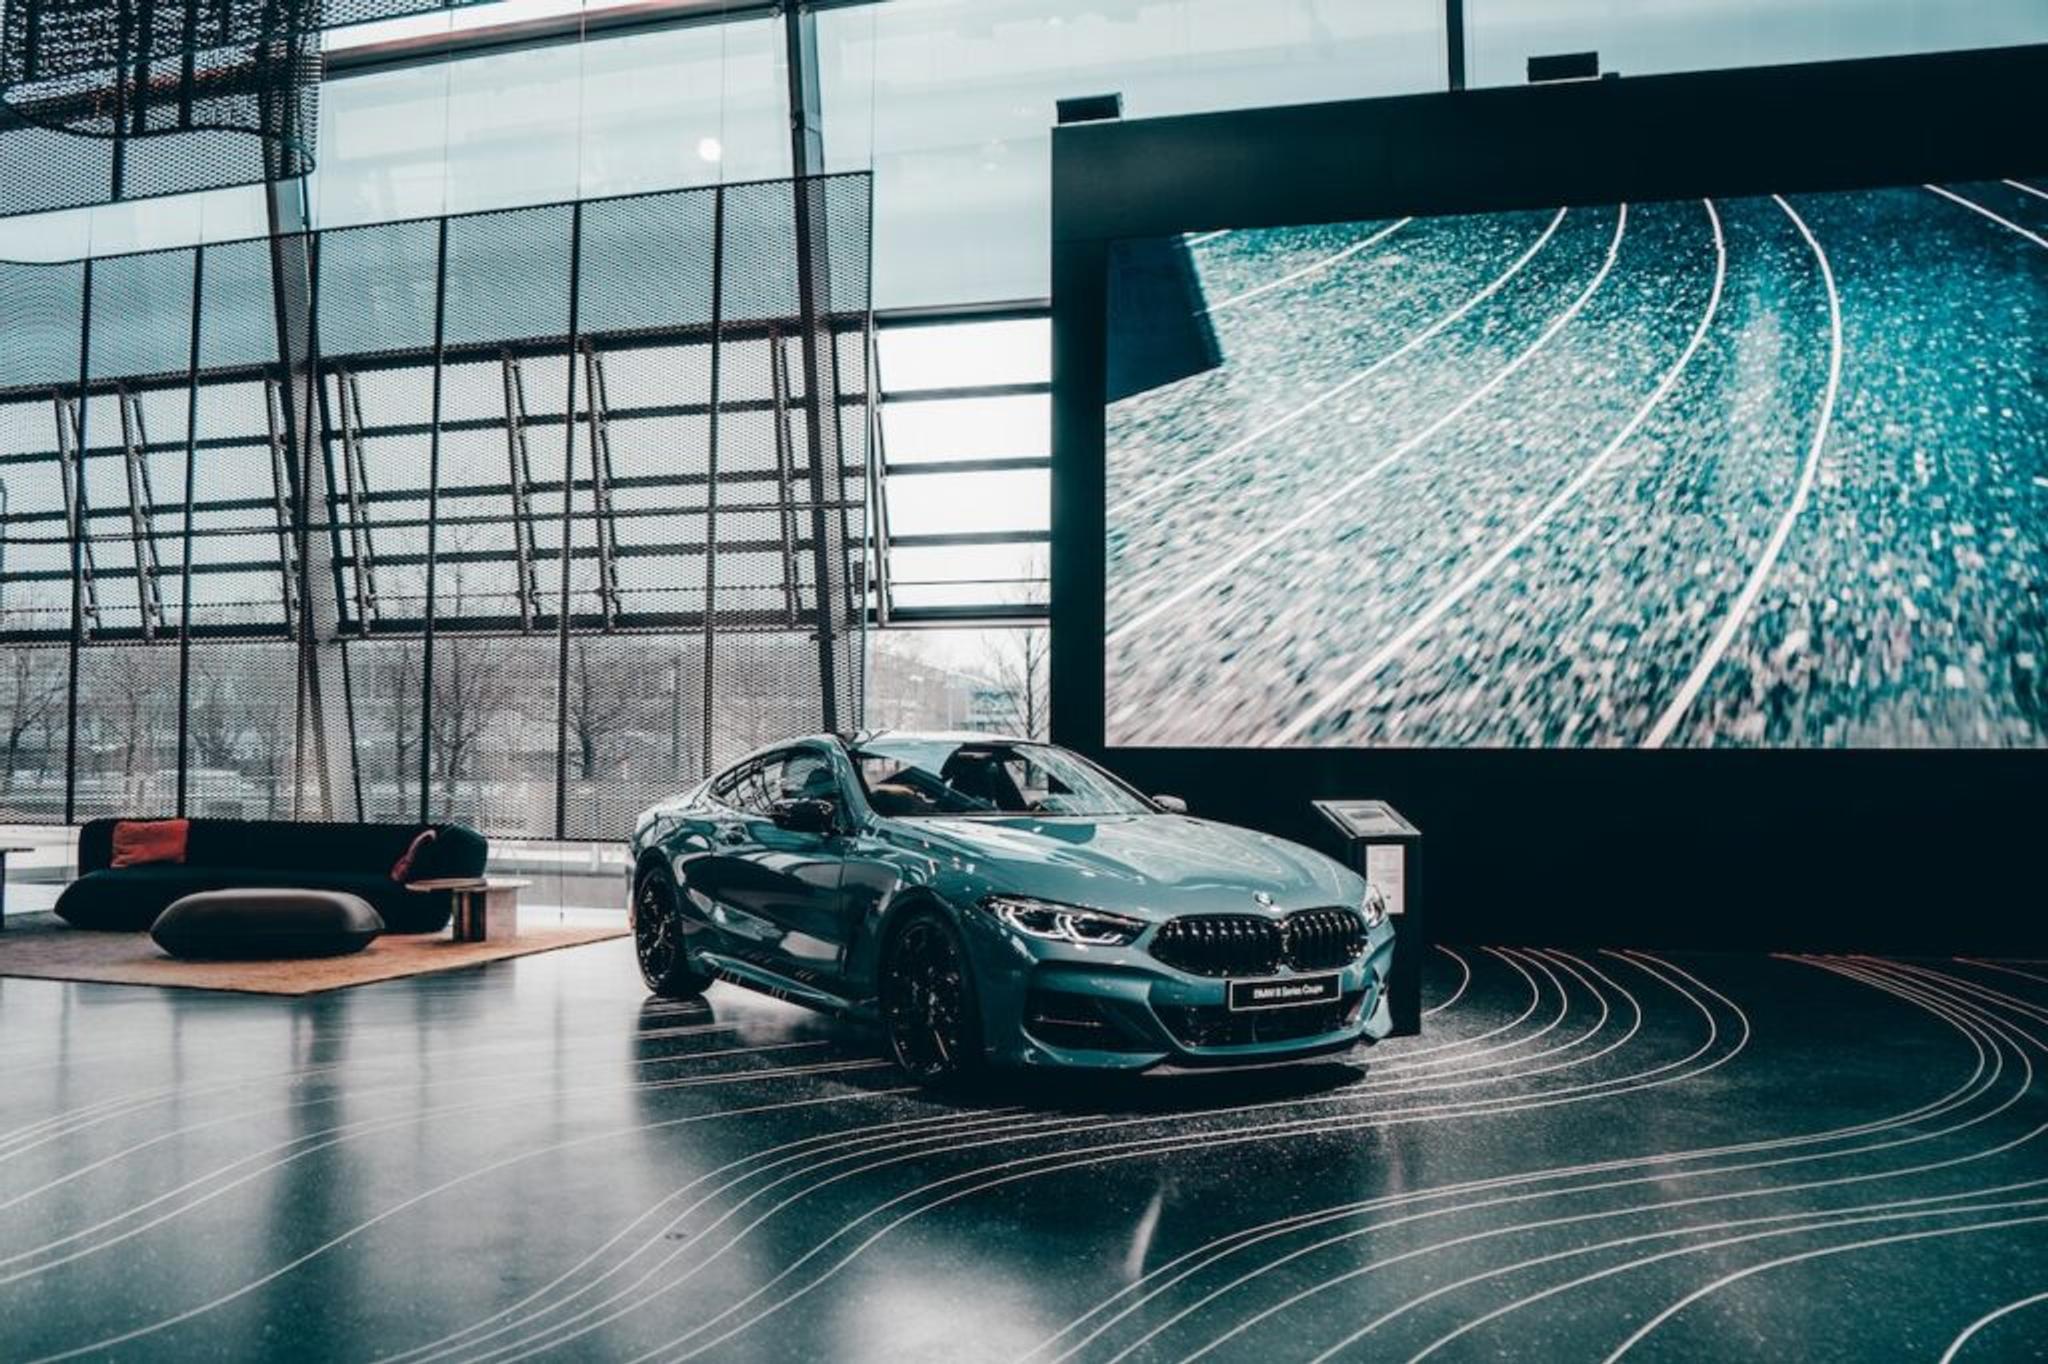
910 778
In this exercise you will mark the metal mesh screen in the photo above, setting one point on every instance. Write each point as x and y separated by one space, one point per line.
521 518
104 100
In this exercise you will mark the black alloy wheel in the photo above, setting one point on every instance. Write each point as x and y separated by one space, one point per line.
928 1002
658 938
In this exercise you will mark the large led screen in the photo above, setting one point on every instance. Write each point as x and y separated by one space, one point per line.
1757 473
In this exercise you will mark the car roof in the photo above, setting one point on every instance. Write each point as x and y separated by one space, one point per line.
952 736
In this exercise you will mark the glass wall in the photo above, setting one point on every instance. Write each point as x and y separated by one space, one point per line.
1644 37
652 109
950 103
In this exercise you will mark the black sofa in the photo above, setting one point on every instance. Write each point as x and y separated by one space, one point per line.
226 854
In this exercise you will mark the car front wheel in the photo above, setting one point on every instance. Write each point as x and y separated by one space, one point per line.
928 1004
658 938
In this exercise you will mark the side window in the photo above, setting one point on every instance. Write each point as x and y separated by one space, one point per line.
746 787
804 774
755 787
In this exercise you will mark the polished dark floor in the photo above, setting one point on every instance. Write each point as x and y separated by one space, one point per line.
1589 1154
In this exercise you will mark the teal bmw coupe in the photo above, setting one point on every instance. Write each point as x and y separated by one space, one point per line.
1000 901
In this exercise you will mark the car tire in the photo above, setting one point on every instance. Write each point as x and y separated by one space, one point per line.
658 937
930 1010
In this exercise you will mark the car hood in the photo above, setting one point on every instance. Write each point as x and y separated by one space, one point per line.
1153 865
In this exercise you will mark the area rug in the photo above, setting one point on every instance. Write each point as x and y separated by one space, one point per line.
44 947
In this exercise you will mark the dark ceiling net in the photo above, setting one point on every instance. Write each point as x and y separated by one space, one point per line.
105 100
524 518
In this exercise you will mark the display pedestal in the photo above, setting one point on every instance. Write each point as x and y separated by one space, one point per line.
1382 846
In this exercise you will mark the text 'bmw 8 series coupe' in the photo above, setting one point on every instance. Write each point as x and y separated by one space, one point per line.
991 900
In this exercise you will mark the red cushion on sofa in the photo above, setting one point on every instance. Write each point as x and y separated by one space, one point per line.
137 841
401 870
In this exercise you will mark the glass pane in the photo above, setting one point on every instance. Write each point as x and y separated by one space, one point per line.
957 354
946 503
950 103
991 679
1636 39
966 428
613 115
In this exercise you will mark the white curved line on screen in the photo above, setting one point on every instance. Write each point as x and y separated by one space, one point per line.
1745 600
1313 268
1959 1098
1979 209
347 1132
1169 1273
1154 487
1464 979
1087 1157
1955 1346
554 1332
1426 619
1823 1220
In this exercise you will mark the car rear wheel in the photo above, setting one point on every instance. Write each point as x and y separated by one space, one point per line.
658 938
928 1003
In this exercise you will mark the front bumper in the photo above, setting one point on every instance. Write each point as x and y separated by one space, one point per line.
1120 1008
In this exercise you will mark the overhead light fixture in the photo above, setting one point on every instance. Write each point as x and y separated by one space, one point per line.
710 149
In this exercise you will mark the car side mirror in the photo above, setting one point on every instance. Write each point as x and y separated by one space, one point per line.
1172 805
805 815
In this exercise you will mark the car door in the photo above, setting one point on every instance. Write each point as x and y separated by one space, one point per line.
779 887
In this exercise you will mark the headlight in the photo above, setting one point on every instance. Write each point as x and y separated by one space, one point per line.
1373 907
1064 923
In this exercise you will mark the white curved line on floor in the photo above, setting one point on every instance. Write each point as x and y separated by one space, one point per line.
1463 1108
32 1135
1202 1257
1868 1244
1955 1346
2010 971
858 1141
1314 267
1745 601
1011 1126
553 1335
1095 1156
1202 581
1203 238
1824 1220
1425 620
2028 189
1979 209
661 1239
1154 487
1652 1207
335 1137
611 1134
1996 998
1463 981
356 1095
